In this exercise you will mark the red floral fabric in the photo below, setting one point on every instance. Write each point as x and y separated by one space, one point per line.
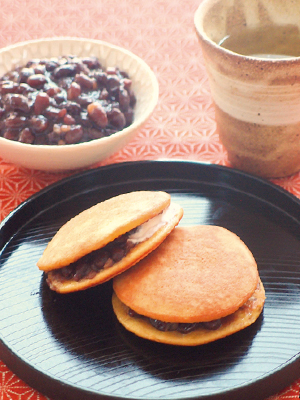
182 125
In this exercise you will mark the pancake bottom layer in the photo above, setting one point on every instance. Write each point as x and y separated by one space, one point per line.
242 318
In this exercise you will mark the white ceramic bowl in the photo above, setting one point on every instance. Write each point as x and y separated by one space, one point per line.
75 156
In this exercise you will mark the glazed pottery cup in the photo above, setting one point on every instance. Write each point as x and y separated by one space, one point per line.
255 81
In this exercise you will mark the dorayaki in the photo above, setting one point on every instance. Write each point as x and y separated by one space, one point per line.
201 284
107 239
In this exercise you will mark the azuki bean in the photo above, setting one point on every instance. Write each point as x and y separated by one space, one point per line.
124 99
72 107
117 254
66 272
64 100
91 62
41 139
100 260
97 114
25 89
113 82
25 73
126 83
163 326
54 137
104 95
42 101
37 80
81 272
8 87
94 133
39 69
64 70
74 134
53 91
129 114
85 99
116 118
69 120
15 121
11 134
16 102
38 123
101 78
186 328
51 65
132 99
85 81
212 325
60 98
174 326
26 136
55 113
74 91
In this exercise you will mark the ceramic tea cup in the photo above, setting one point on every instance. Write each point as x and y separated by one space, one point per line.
251 50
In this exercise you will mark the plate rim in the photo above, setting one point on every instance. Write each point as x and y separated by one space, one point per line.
8 357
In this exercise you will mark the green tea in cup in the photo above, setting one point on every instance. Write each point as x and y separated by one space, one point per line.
251 50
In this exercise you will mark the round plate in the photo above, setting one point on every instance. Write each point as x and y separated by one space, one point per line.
72 347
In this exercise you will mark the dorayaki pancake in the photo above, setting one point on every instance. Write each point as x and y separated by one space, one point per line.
198 274
98 227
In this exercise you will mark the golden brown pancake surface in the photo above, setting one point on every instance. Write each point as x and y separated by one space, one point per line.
197 274
95 227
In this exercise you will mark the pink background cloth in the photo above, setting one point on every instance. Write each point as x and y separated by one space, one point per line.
182 125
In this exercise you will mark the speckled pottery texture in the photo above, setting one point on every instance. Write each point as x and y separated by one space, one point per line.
257 101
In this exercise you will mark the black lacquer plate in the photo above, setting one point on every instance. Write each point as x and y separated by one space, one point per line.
72 347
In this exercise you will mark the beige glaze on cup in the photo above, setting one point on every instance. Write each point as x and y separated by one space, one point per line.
257 100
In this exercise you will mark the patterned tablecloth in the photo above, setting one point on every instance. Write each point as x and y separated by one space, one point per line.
182 126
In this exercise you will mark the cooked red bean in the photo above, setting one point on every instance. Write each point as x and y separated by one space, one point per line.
74 91
69 120
26 136
116 118
97 114
11 134
54 113
38 124
113 82
15 121
87 266
8 87
66 100
84 81
74 134
42 101
65 70
91 62
179 327
16 102
37 80
124 99
53 91
25 73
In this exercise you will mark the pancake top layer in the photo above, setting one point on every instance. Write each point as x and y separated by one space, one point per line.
97 226
197 274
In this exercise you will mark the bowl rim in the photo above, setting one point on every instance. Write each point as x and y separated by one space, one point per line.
95 142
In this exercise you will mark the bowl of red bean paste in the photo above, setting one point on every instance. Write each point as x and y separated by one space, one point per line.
68 103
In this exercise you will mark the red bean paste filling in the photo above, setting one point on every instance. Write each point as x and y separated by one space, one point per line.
64 100
90 265
179 327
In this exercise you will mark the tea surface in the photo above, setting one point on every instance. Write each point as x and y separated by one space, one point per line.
266 42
